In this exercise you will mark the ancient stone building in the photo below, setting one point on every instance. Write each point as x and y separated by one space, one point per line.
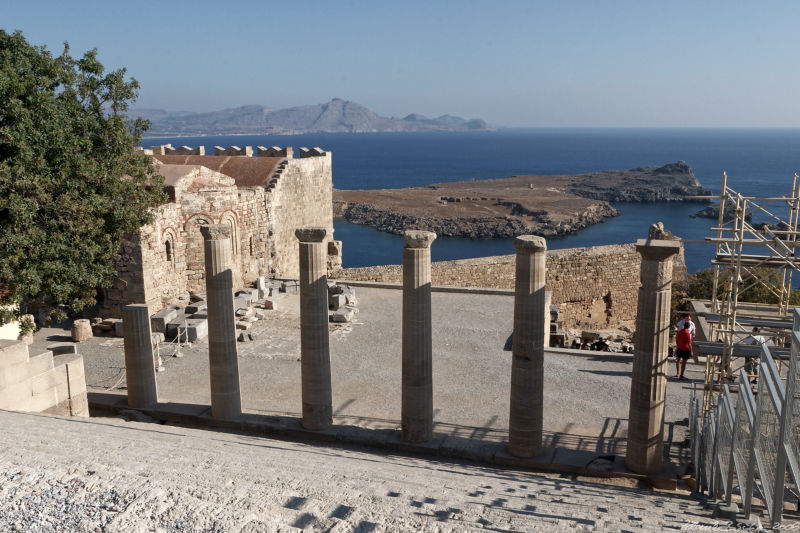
263 199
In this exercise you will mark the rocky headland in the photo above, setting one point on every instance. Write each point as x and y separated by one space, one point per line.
550 206
336 116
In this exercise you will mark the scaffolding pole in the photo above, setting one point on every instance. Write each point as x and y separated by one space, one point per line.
747 257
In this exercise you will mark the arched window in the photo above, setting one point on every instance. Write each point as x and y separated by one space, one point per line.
230 220
168 249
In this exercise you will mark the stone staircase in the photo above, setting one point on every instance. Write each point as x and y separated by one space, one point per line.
276 174
41 383
131 476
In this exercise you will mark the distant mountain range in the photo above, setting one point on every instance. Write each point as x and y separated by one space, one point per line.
335 116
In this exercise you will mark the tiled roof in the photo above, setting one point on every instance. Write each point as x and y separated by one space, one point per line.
246 171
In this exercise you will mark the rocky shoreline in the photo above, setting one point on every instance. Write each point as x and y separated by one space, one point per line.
390 221
551 206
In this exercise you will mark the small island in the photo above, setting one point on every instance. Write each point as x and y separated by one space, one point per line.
551 206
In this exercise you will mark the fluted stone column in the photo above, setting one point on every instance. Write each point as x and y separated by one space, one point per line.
315 365
417 393
531 317
226 400
140 370
648 385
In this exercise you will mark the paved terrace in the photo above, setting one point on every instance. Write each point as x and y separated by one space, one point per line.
586 393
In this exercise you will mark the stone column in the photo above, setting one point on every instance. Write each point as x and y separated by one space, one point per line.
531 316
315 357
226 400
649 381
140 370
417 393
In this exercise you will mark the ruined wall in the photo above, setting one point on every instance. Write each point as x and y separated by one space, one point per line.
128 286
302 197
253 240
164 271
595 286
165 259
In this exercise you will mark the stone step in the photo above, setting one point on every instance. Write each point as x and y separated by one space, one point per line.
12 352
22 371
248 483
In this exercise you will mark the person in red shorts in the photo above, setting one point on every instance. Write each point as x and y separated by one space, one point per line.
684 349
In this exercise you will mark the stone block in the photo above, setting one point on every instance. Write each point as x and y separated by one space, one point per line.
38 364
250 319
157 337
171 329
18 373
56 379
195 329
250 294
337 301
159 321
290 287
245 312
344 315
46 399
260 315
335 288
244 325
118 331
16 397
243 337
241 301
196 307
12 352
81 330
270 303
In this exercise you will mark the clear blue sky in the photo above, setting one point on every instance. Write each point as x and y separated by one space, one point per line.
526 63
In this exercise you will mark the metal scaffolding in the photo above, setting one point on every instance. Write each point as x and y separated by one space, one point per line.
747 257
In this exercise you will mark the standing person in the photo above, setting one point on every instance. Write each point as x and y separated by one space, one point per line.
686 318
751 363
684 350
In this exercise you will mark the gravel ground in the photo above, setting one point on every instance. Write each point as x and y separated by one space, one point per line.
68 475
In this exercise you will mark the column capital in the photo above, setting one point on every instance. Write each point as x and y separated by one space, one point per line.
215 232
311 234
530 244
137 307
656 249
419 239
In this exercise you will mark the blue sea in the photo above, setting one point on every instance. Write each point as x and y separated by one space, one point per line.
759 162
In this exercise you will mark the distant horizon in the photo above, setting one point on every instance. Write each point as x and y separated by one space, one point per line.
478 132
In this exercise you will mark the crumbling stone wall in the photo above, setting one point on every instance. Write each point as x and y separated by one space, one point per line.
302 197
593 287
165 260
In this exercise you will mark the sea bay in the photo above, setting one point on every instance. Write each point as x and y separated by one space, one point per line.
758 162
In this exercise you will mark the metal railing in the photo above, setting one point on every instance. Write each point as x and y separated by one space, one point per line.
749 444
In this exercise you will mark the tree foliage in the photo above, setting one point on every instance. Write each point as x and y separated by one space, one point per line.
700 286
71 184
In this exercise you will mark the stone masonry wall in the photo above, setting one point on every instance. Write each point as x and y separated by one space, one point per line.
302 197
593 287
165 259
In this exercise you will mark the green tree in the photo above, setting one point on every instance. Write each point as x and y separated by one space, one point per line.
71 184
700 285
